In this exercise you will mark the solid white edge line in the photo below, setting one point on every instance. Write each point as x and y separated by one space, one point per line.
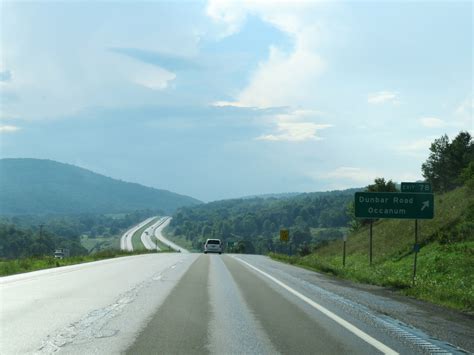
361 334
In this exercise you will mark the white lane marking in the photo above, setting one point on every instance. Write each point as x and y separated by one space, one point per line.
356 331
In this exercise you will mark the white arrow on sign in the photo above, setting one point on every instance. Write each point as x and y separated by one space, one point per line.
426 204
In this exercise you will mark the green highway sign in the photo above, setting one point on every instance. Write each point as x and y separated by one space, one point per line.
416 187
400 205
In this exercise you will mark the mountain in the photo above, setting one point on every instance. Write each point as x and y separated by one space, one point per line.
37 186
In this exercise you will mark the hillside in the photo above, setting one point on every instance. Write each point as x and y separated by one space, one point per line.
445 267
35 186
253 224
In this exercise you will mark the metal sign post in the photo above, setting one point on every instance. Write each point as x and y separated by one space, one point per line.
284 237
370 243
344 240
416 249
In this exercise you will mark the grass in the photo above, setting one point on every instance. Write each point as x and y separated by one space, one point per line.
445 267
16 266
97 244
179 240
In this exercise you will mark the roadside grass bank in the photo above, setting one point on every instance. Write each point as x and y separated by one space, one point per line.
100 243
445 263
162 245
17 266
136 237
179 240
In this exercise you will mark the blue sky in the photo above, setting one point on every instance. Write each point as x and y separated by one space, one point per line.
220 99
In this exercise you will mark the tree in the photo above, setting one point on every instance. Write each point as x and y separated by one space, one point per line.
467 176
380 185
447 161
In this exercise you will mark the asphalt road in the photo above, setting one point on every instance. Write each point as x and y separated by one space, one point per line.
126 239
164 240
185 303
147 234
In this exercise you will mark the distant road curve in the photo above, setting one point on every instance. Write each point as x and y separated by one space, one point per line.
168 242
126 240
149 232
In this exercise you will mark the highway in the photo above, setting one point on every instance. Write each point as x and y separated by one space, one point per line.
126 239
188 303
149 232
164 240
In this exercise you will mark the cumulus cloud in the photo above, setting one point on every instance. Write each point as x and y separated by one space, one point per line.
8 129
382 97
351 173
296 126
285 78
418 148
432 122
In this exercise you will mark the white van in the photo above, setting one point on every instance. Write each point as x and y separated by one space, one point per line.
213 246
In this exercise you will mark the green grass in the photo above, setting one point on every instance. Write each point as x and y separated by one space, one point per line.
16 266
179 240
136 238
97 244
445 268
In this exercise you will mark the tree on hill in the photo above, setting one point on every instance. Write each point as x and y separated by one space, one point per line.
446 162
379 185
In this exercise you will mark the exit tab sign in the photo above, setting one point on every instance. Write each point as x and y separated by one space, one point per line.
416 187
398 205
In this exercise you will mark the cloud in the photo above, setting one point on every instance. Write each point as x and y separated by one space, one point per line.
285 78
8 128
418 148
432 122
164 60
463 117
5 75
290 75
354 174
382 97
295 127
153 78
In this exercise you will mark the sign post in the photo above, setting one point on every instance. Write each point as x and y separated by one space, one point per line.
396 205
416 249
284 237
370 243
344 240
421 187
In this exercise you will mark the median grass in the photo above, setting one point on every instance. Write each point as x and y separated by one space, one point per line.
17 266
445 268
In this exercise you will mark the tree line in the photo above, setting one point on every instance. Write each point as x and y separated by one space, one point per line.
26 236
253 224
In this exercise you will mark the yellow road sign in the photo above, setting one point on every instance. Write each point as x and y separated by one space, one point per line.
284 235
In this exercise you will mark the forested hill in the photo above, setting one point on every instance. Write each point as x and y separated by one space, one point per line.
35 186
255 222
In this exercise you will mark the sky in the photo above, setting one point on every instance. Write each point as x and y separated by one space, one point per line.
217 99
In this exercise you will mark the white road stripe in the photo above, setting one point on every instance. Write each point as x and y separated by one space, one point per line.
356 331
